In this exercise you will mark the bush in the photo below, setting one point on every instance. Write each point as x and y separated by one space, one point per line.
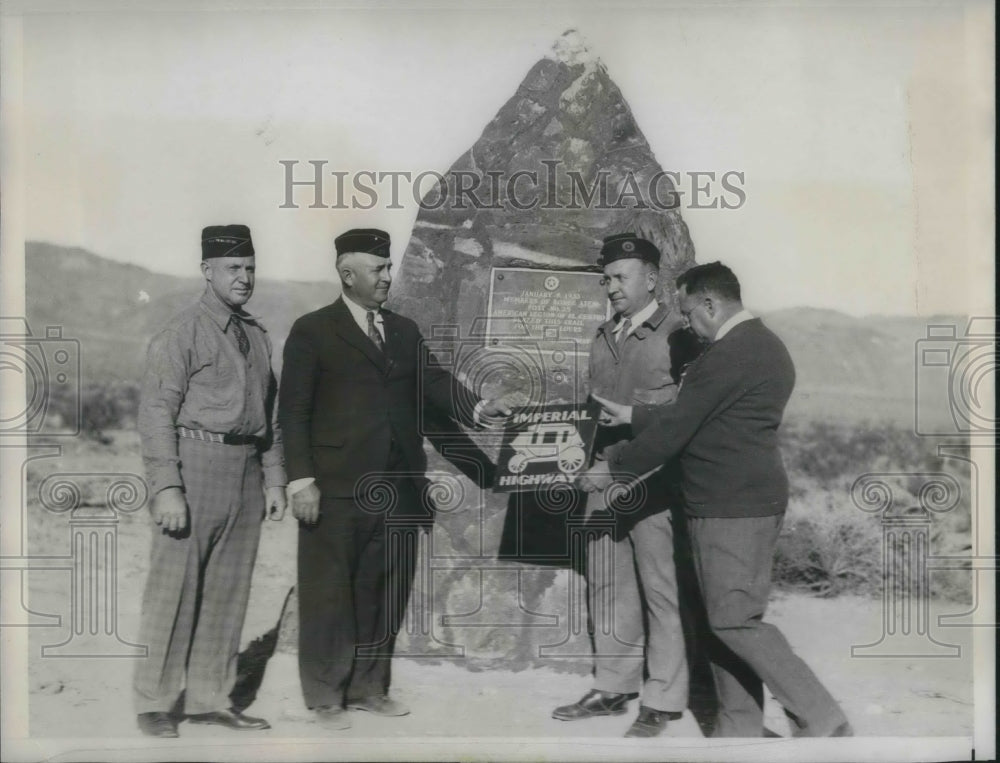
102 406
829 545
830 551
830 454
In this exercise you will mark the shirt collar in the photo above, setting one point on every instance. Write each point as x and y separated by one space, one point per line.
640 317
221 313
360 313
735 320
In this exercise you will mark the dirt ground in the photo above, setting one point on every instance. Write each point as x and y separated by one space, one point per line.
89 697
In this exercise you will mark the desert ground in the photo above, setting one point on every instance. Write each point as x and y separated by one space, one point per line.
88 698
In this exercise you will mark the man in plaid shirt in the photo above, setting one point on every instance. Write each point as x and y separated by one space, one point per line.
214 461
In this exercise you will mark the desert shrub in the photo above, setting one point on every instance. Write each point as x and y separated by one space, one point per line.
830 550
62 409
829 545
105 406
96 408
98 411
953 584
128 402
829 454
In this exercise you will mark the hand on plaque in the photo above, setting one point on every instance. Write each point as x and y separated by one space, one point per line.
494 413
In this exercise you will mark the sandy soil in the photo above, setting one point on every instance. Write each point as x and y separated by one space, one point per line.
89 697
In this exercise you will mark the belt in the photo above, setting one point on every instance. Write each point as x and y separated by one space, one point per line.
222 439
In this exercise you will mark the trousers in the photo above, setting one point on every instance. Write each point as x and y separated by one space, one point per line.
733 558
635 613
355 570
196 594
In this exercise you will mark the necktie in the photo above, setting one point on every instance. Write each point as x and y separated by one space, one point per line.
623 332
242 340
373 332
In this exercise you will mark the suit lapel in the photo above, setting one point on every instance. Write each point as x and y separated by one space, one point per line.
348 330
607 329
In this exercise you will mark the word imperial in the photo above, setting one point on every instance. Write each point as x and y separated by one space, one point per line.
535 418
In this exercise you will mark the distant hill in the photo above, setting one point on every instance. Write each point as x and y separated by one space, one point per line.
849 369
113 308
854 369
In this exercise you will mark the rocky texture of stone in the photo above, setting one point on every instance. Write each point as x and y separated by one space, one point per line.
562 165
519 196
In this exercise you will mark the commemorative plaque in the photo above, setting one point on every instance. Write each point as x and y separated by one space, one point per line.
545 305
542 323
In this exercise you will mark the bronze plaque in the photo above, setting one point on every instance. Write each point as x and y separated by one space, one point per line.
545 305
539 327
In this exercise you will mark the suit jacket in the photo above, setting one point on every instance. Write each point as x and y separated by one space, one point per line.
342 401
724 424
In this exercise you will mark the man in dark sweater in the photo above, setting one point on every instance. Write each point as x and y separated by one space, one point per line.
724 427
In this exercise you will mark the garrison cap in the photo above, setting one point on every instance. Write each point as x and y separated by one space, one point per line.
364 240
626 246
226 241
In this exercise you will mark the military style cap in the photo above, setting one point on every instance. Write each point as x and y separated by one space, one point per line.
627 246
226 241
364 240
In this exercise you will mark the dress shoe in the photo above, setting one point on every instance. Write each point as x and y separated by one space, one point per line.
594 702
230 719
157 725
331 717
380 705
650 722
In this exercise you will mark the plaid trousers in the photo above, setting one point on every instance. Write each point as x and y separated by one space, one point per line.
198 585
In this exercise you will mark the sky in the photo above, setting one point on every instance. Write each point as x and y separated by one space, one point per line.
864 132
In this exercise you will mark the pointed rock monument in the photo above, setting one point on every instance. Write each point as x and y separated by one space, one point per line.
562 165
508 240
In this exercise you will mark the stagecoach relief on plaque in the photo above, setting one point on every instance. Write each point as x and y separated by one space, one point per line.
545 446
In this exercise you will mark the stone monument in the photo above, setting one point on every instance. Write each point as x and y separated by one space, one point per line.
501 274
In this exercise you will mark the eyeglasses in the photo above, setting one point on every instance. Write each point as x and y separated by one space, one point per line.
686 314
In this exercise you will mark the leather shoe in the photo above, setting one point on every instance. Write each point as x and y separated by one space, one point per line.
332 717
595 702
650 722
380 705
230 719
157 724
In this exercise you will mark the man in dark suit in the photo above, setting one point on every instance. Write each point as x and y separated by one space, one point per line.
353 385
724 425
